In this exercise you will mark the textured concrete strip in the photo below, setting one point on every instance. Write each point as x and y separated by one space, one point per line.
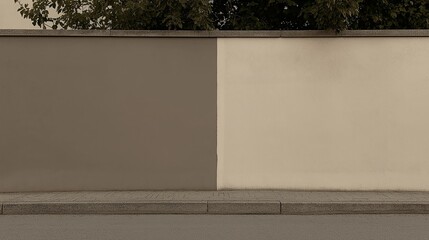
214 34
355 33
326 208
53 33
243 207
247 34
163 34
155 207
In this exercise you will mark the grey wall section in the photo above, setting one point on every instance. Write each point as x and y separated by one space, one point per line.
107 113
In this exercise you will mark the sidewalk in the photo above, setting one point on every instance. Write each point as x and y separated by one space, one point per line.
215 202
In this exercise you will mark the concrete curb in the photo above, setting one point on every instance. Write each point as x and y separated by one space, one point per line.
155 207
215 202
213 207
354 208
243 207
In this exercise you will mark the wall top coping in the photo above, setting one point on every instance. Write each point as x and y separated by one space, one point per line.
214 34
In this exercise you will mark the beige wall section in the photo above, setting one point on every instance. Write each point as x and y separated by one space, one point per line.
323 113
10 18
107 113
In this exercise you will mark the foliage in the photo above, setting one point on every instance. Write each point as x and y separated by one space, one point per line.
262 14
332 14
118 14
393 14
227 14
285 14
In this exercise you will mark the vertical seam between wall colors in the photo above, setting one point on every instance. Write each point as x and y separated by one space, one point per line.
217 116
219 109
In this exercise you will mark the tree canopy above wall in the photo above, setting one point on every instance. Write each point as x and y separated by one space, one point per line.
227 14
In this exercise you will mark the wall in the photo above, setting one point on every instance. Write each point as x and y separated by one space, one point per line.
82 113
125 110
10 17
323 113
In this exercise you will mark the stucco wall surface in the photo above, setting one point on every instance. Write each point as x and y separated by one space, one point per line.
107 113
140 111
10 17
323 113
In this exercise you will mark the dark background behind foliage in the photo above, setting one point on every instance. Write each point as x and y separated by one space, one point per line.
228 14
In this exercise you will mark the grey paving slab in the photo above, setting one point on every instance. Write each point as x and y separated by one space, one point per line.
158 207
9 196
243 207
287 196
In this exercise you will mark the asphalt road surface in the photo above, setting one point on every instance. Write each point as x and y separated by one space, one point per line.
201 227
